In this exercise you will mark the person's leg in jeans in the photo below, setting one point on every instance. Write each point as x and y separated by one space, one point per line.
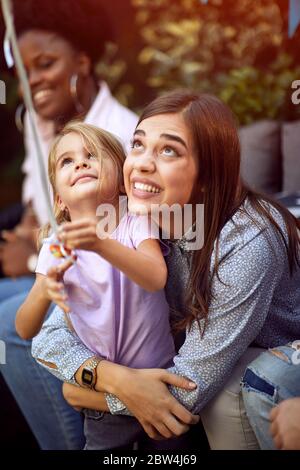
39 394
104 431
273 377
11 287
224 417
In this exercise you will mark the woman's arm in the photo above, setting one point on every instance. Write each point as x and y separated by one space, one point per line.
59 349
241 300
145 265
61 352
145 393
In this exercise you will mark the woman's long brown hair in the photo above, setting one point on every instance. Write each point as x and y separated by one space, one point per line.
219 188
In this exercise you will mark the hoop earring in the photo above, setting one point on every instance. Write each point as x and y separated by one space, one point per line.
19 117
74 94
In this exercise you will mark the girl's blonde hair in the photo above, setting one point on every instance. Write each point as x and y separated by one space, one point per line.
99 143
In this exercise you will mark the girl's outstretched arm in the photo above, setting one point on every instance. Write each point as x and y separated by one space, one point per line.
145 265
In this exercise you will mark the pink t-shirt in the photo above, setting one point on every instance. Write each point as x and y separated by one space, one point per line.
112 315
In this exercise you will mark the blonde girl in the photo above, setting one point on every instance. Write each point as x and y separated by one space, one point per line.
113 293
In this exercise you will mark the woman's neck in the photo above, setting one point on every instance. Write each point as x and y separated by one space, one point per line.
174 225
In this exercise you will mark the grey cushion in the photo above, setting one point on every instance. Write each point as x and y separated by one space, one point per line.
260 155
290 138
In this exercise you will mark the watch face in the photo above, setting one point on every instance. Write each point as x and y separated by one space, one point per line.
87 377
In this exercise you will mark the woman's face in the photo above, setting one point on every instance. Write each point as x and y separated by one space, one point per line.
162 167
50 62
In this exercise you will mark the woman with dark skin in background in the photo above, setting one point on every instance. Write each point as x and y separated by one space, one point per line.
60 43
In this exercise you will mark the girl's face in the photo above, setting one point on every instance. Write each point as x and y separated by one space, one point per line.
50 61
162 167
80 177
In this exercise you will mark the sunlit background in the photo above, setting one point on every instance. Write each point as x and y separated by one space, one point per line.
239 50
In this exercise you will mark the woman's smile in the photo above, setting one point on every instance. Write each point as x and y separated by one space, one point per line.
42 97
144 188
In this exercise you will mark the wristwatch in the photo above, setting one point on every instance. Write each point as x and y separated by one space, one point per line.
89 372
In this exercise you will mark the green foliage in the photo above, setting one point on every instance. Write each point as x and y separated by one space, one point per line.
186 41
255 94
230 48
112 69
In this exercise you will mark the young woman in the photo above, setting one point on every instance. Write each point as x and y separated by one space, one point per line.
60 44
241 289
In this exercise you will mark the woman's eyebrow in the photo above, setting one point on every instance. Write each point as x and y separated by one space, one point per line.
176 138
139 132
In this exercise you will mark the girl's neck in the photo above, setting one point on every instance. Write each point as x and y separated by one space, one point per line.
92 210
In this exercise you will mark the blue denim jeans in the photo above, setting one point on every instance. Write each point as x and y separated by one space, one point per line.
271 378
104 431
39 394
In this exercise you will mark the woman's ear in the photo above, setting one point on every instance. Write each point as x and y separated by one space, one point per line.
84 65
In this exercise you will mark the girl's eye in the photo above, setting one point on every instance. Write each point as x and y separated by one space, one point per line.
66 161
90 155
169 152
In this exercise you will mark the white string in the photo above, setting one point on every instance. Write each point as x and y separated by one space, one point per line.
7 52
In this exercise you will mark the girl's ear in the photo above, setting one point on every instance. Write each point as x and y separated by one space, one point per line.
60 204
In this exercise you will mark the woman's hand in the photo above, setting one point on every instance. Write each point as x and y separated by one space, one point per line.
19 244
80 234
14 254
285 424
54 288
146 395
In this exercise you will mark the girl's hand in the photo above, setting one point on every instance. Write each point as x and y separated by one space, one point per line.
80 234
146 395
80 398
54 288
